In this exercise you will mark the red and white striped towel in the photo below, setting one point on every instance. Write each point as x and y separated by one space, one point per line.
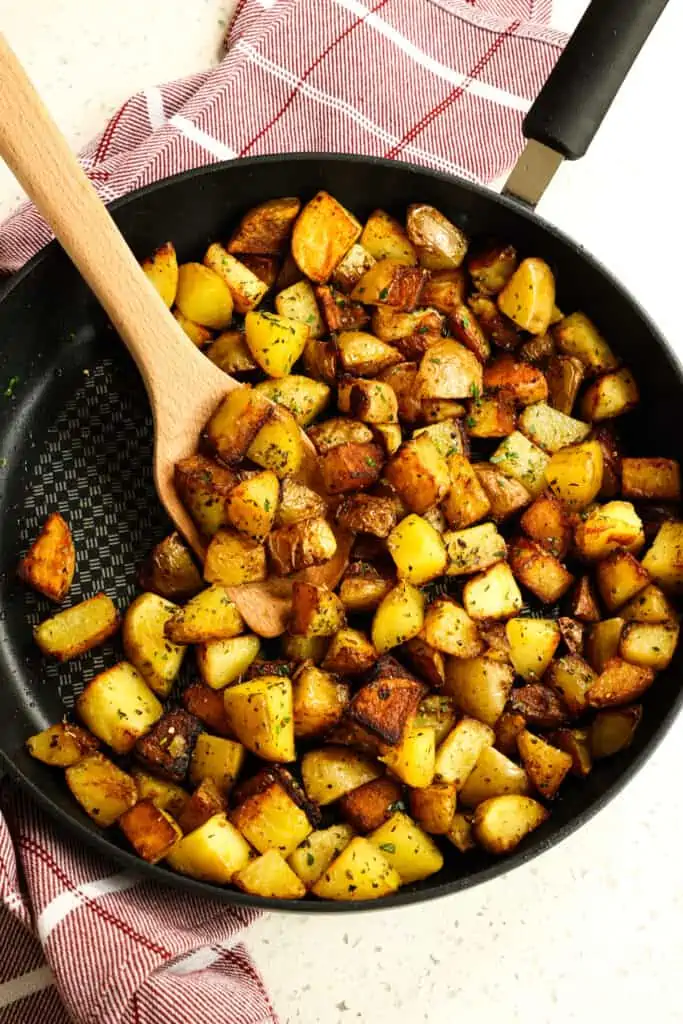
443 83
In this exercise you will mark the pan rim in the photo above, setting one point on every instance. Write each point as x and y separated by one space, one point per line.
524 854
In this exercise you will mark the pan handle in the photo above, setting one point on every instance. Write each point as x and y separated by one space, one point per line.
572 104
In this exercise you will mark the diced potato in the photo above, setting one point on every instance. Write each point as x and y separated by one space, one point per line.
502 822
564 376
61 745
150 831
49 564
407 848
298 303
167 748
337 431
312 857
252 504
373 402
664 560
550 429
265 229
501 331
583 604
508 728
577 336
434 806
233 559
221 662
269 875
523 461
368 806
169 570
304 398
602 642
321 360
419 474
118 707
575 743
474 549
539 571
575 474
546 766
217 758
493 775
270 819
524 382
214 852
145 644
167 795
440 244
350 653
362 354
206 801
417 549
612 731
402 378
611 395
331 771
466 328
492 595
394 325
436 712
351 467
492 267
436 409
459 752
650 605
78 629
204 487
388 702
275 341
448 628
399 617
236 422
533 643
460 833
203 297
246 287
413 759
301 545
619 578
651 645
466 500
651 479
528 297
101 788
319 701
572 633
425 660
298 503
211 615
620 683
365 513
197 334
363 588
208 706
390 282
360 872
447 437
539 705
449 370
349 271
479 686
547 523
316 611
572 678
260 713
384 237
161 270
506 496
323 233
608 528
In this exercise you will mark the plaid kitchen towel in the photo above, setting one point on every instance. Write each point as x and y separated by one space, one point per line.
444 83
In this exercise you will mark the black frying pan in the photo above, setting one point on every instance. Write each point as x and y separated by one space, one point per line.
76 435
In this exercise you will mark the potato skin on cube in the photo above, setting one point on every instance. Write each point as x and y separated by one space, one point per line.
449 370
434 806
49 564
301 545
351 467
204 487
419 474
440 244
264 229
323 232
236 422
167 748
206 801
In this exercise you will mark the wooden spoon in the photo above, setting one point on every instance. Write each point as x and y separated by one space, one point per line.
183 386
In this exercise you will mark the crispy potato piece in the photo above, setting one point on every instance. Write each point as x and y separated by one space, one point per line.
118 707
265 229
336 431
204 487
546 766
101 788
651 479
460 750
373 402
479 686
393 325
323 233
419 474
612 731
606 437
387 703
298 302
417 549
577 336
163 793
260 713
360 872
533 643
169 570
349 271
319 701
49 564
214 852
221 662
270 667
303 397
449 370
217 758
331 771
275 341
351 467
572 633
448 628
434 806
466 500
508 728
150 831
197 334
528 296
650 605
61 745
407 848
246 287
412 760
365 513
211 615
502 822
447 436
620 683
390 282
78 629
547 523
236 422
161 270
602 642
440 244
572 678
166 749
493 775
466 328
445 290
233 559
492 267
316 611
298 503
398 618
208 706
619 578
496 327
664 560
460 833
402 380
312 857
651 645
608 528
539 571
436 409
492 416
583 603
564 376
203 296
383 237
206 801
363 587
320 359
575 474
270 875
538 349
266 268
473 549
506 495
350 653
492 595
550 429
540 706
339 312
575 743
611 395
526 383
252 504
427 662
363 355
368 807
437 713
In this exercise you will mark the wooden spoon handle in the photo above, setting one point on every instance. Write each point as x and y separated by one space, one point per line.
39 157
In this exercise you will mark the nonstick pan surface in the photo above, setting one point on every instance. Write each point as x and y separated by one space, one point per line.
76 436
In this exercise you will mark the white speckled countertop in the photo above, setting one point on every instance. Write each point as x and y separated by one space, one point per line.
593 930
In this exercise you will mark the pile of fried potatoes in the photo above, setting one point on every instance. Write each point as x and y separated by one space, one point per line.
506 604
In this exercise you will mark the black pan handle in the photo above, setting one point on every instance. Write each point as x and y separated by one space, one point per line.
589 73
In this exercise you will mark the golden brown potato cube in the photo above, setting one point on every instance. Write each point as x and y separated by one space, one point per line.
316 611
369 806
619 577
365 513
203 297
449 370
204 487
651 645
266 268
399 617
502 822
349 271
528 296
467 329
336 431
320 359
340 313
473 549
445 290
319 701
492 416
434 806
221 662
197 334
146 646
360 872
533 643
252 504
577 336
608 528
233 559
331 771
526 383
312 857
546 766
620 683
492 267
324 231
412 760
522 461
539 705
492 595
572 633
611 395
260 714
493 775
206 801
612 731
436 712
602 642
211 615
118 707
447 436
387 704
575 474
574 742
564 377
161 269
269 875
384 237
401 378
460 832
479 686
101 788
417 549
466 500
538 349
655 479
572 678
217 758
208 706
149 830
297 503
265 229
298 302
436 409
166 749
419 474
351 467
664 560
550 429
301 545
448 628
506 496
583 603
373 402
363 587
440 244
246 288
496 327
459 752
539 571
49 564
164 794
214 852
61 745
407 848
362 354
350 653
169 570
236 422
421 327
426 661
650 605
78 629
390 282
547 523
508 728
